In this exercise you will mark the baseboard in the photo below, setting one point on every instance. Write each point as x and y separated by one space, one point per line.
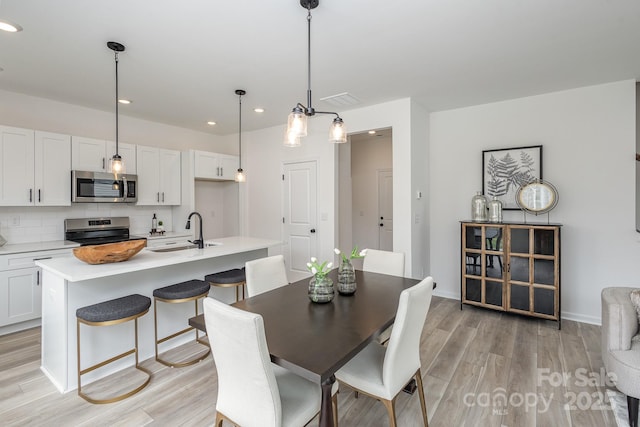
576 317
16 327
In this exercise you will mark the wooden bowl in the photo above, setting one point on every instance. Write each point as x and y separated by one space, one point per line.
110 252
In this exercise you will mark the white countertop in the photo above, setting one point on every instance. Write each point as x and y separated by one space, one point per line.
36 247
74 270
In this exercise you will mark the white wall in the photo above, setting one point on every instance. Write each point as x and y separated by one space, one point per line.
367 157
217 202
588 138
44 114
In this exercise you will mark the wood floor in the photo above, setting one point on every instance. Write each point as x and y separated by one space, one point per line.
480 368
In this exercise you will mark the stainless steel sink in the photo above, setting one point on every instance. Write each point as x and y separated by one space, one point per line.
173 248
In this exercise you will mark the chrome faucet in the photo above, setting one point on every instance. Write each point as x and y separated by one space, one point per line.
200 241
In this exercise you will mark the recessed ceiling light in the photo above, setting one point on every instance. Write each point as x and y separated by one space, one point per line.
259 110
10 27
124 101
372 132
210 123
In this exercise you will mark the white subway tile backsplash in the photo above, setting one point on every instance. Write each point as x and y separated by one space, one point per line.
44 224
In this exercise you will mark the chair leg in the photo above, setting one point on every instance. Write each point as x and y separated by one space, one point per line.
632 404
423 404
219 419
391 410
334 401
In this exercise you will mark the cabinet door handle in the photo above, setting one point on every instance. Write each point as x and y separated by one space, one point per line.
44 257
38 278
30 195
39 196
221 171
103 163
218 171
158 196
163 197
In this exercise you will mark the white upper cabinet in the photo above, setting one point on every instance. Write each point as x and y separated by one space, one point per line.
159 176
35 168
94 155
52 169
215 166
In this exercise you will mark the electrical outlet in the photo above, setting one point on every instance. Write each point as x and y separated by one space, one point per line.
15 221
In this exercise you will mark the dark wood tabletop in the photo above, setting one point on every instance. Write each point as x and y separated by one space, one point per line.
315 340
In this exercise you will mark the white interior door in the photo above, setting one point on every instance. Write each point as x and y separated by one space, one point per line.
299 217
385 210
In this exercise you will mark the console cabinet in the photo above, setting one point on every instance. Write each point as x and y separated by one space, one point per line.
513 267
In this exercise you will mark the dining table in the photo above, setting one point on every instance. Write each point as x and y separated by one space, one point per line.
315 340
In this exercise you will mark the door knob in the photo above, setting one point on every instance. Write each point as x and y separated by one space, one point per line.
313 230
381 225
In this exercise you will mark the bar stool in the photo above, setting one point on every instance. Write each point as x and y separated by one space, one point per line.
109 313
228 279
191 290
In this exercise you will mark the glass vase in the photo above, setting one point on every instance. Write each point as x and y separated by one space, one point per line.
495 210
479 208
346 278
321 289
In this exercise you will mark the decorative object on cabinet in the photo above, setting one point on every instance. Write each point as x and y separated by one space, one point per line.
117 164
494 206
505 170
537 197
297 120
240 176
110 252
479 207
513 267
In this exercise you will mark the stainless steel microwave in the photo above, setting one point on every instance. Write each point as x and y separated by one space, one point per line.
101 187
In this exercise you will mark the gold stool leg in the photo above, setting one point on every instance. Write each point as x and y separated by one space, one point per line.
188 329
113 359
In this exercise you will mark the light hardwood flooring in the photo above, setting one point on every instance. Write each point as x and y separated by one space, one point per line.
470 359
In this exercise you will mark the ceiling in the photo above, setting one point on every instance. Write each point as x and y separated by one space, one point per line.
184 59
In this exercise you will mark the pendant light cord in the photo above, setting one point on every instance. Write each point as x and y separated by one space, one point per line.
309 105
117 127
240 132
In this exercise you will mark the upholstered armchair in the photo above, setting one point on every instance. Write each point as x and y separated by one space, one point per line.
621 345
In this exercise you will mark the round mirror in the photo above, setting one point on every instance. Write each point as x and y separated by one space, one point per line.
537 197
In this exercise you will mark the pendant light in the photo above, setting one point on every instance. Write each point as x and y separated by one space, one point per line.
297 121
240 175
117 164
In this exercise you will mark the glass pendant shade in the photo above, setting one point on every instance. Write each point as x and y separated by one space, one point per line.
338 131
297 123
117 164
240 176
290 139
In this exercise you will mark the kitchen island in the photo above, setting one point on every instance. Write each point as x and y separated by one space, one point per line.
69 284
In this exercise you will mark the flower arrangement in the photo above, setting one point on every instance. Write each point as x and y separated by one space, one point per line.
354 253
319 270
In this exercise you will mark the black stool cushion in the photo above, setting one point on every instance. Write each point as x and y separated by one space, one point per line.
115 309
230 276
187 289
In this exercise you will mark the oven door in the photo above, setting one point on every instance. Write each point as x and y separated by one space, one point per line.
99 187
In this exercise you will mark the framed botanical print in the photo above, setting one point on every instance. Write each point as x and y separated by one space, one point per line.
505 170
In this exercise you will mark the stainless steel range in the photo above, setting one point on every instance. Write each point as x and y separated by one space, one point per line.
97 231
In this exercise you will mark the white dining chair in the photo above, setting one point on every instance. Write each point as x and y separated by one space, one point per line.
252 391
265 274
384 262
382 372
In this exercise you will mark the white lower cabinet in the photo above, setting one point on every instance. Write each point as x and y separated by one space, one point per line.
21 287
21 295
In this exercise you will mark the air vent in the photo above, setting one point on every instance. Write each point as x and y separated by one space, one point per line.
341 100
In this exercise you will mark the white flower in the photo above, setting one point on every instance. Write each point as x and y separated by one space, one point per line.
329 266
314 270
314 259
308 265
337 251
363 252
